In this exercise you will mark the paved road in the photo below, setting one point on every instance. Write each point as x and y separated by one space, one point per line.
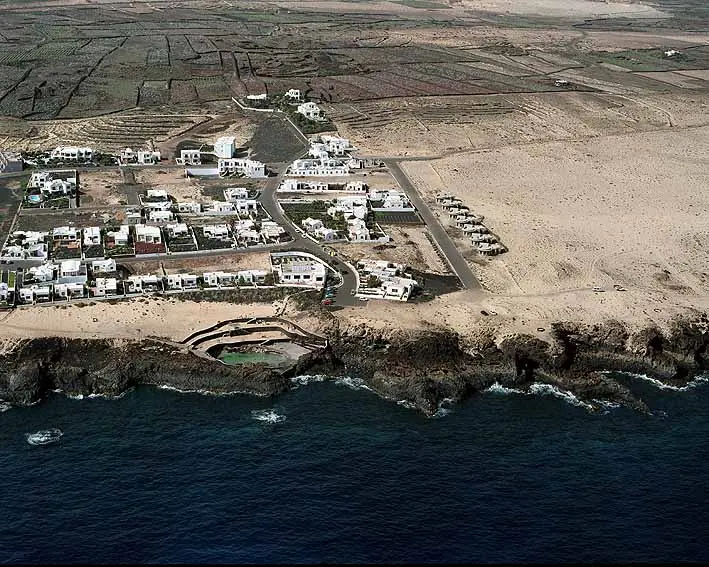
447 247
268 200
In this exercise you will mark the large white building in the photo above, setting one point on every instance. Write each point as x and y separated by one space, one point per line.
225 147
321 167
241 166
310 110
298 269
391 283
73 153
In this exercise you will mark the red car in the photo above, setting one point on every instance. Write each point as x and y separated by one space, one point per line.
327 301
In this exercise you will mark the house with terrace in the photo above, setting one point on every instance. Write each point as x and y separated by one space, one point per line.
234 194
148 234
104 286
103 267
180 281
241 166
298 269
189 207
320 167
379 279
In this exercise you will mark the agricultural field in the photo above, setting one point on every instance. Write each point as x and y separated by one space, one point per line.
80 61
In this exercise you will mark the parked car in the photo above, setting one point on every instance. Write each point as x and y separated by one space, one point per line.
327 302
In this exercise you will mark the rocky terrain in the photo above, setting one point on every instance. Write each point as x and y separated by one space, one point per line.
422 367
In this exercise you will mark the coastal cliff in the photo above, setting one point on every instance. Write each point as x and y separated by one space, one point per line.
423 368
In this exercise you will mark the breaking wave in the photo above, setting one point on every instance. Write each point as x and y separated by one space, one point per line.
541 389
306 379
268 416
406 403
44 437
203 392
498 388
4 406
549 390
698 381
443 408
352 383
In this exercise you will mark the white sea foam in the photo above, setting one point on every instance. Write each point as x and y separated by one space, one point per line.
353 383
306 379
698 381
443 408
549 390
268 416
44 437
406 403
498 388
202 392
4 406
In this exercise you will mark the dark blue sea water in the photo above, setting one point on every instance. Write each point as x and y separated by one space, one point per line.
159 476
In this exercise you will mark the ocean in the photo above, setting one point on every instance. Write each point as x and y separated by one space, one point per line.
330 472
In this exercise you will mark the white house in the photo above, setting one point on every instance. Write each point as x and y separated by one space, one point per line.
311 224
119 237
141 283
225 147
233 194
216 279
72 153
43 273
246 206
356 187
177 230
189 157
56 188
141 157
241 166
92 236
181 281
157 194
72 271
262 96
107 266
160 216
105 286
148 234
189 207
335 145
65 234
310 110
271 230
69 290
293 95
219 207
321 167
300 271
326 234
216 231
301 186
248 237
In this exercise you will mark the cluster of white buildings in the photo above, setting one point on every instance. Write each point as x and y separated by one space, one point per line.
328 156
311 111
140 157
227 164
51 185
388 280
290 185
72 153
25 245
471 225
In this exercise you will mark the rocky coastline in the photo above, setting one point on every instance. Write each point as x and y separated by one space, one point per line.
423 368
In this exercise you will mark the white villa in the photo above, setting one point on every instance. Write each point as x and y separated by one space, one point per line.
310 110
216 231
72 271
320 167
271 230
160 216
181 281
141 157
148 234
246 206
335 145
392 284
92 236
294 269
105 286
311 224
189 207
121 236
103 266
177 230
293 95
225 147
233 194
65 234
189 157
241 166
72 153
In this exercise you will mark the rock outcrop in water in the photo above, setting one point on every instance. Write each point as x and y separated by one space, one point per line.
423 368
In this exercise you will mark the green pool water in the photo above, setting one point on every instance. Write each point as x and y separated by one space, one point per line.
233 358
